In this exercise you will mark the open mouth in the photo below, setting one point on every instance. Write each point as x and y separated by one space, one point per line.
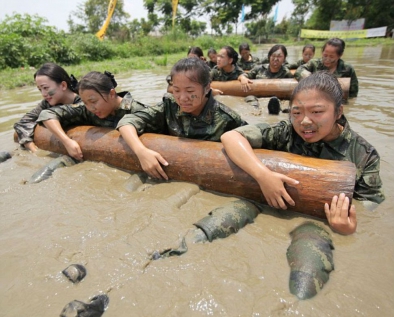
308 134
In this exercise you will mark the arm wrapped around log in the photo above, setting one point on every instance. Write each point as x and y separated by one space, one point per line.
206 164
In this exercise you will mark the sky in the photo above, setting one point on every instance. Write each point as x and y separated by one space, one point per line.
58 11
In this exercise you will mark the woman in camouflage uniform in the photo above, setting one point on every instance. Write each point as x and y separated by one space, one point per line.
57 88
331 61
100 106
317 128
191 112
227 69
247 61
307 54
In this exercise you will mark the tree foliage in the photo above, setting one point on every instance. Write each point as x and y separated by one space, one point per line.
25 40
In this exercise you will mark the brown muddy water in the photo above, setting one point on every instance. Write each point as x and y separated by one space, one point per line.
89 214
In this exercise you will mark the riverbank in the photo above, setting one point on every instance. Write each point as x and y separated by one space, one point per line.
13 78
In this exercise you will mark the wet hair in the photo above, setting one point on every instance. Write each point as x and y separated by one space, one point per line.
323 82
337 43
231 53
197 70
277 47
211 51
58 75
196 51
243 46
312 47
102 83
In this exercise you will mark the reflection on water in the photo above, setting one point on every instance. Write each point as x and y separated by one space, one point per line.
91 214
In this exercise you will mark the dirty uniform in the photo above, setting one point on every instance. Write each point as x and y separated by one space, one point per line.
167 118
220 75
248 65
343 70
263 72
296 64
25 127
349 146
69 115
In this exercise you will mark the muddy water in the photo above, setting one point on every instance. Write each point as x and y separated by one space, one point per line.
90 214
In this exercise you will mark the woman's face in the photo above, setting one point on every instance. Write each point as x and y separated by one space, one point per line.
213 57
276 60
189 95
245 54
223 60
313 116
51 91
96 104
307 55
330 57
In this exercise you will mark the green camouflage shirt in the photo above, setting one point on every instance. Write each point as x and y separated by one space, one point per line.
296 64
343 70
248 65
167 118
263 72
25 127
220 75
349 146
73 115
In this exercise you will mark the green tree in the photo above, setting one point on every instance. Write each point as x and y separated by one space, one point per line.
91 16
25 40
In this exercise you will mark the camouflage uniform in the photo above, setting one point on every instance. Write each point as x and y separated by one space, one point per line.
248 65
73 115
25 127
343 70
211 64
263 72
349 146
220 75
296 64
167 118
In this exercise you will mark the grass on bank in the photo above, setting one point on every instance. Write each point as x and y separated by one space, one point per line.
19 77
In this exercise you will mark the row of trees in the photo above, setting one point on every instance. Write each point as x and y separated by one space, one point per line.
222 16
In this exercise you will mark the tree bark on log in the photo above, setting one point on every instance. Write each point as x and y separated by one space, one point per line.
207 165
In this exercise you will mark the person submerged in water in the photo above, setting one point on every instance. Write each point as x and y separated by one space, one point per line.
331 61
101 106
317 128
57 88
308 52
191 112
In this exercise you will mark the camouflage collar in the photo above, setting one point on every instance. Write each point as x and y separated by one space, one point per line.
126 102
338 146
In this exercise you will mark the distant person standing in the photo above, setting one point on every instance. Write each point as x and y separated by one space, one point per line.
331 61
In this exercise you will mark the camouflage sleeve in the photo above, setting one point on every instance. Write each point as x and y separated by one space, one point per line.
253 72
305 70
253 134
368 184
24 128
213 74
150 119
288 73
295 65
67 115
353 89
265 136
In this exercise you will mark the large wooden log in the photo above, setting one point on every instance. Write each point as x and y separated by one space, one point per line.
281 88
206 164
